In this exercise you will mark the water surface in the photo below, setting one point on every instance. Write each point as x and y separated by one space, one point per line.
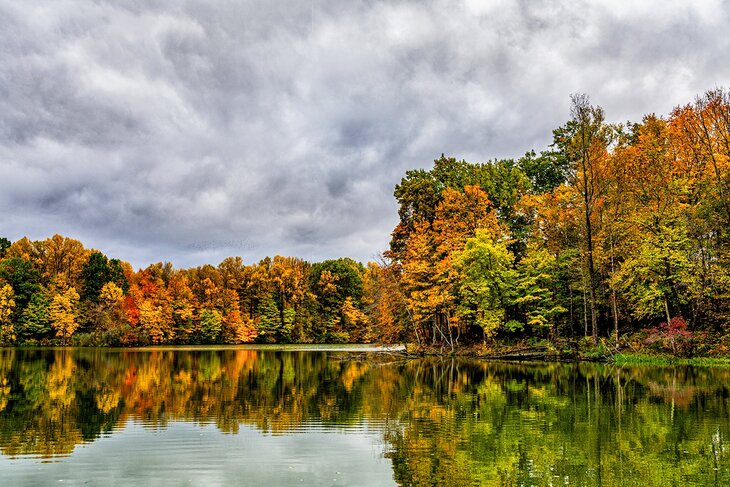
322 416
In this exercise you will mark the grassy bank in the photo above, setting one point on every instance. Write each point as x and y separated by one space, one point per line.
568 351
644 359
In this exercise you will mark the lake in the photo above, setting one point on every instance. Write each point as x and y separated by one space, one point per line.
351 416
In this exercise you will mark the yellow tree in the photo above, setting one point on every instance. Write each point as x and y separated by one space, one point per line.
231 271
7 306
651 206
353 319
486 281
155 317
63 314
53 257
210 295
458 217
289 275
430 280
183 305
110 309
702 133
699 136
111 294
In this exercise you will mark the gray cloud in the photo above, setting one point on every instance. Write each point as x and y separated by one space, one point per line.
156 131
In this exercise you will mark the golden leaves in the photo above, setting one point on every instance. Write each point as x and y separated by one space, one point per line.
63 314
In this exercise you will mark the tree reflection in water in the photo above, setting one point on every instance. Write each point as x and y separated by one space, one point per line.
443 421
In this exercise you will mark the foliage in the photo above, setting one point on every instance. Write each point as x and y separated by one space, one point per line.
23 278
610 230
487 280
673 337
97 272
35 322
535 289
7 306
62 313
4 244
211 325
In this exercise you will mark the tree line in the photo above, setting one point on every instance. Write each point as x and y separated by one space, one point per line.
614 229
57 291
617 228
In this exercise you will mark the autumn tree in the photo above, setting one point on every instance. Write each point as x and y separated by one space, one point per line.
584 141
52 257
699 136
149 308
424 297
183 304
384 303
63 314
238 329
7 306
288 277
556 228
332 282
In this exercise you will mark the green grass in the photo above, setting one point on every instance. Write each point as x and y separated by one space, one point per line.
640 359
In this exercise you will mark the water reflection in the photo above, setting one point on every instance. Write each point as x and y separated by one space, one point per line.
437 422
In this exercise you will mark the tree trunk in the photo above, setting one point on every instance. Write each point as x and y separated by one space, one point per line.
585 314
591 269
613 298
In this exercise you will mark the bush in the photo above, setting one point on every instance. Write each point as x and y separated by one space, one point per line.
673 337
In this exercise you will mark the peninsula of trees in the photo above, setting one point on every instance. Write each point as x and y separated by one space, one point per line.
616 230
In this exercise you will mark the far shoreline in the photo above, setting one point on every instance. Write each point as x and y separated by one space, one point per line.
526 355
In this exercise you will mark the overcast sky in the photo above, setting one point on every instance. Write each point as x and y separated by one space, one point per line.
190 131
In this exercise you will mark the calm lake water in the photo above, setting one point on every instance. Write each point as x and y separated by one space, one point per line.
278 416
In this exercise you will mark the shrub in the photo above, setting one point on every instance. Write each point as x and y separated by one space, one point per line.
672 337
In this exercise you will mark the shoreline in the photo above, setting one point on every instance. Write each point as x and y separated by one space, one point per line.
550 354
546 353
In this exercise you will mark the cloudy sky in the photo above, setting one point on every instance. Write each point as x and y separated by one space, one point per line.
193 130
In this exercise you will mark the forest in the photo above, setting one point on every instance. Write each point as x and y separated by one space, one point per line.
617 233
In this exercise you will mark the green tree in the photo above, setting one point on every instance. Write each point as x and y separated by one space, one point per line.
4 244
534 290
653 279
94 274
98 271
546 171
35 321
269 325
23 277
487 280
211 325
332 282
